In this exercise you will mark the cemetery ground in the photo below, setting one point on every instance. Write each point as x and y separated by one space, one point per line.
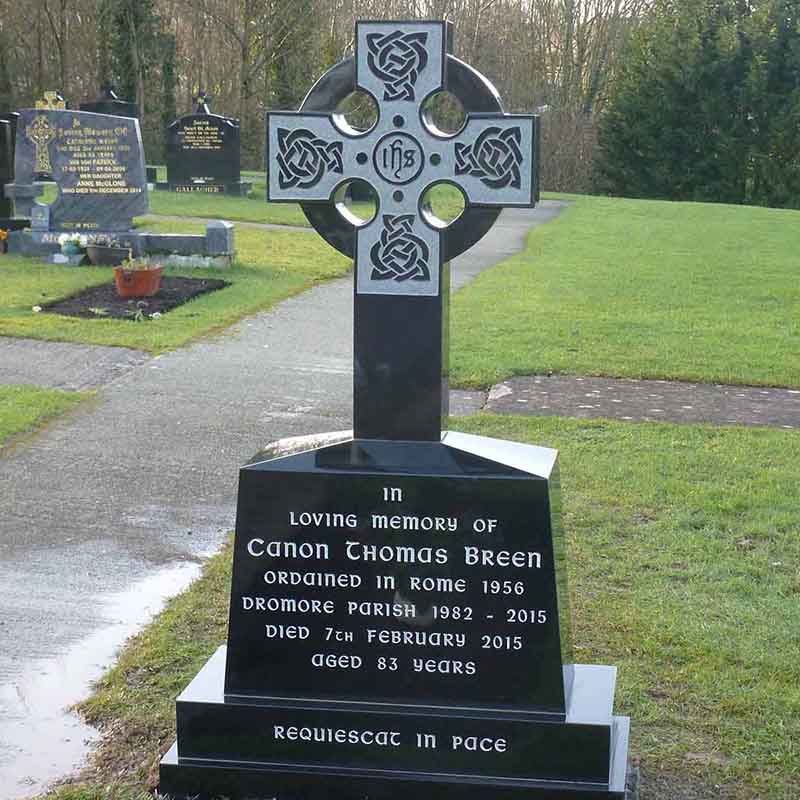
621 288
446 200
683 538
270 266
683 571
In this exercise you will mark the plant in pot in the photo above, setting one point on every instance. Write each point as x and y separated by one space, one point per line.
106 251
136 278
72 244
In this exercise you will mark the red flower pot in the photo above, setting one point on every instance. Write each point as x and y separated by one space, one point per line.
137 282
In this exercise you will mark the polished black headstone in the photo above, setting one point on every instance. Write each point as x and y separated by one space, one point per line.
96 161
108 102
11 117
447 492
399 613
6 166
204 153
399 617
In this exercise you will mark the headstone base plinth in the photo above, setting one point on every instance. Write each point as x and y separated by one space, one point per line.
215 248
226 747
418 642
35 243
238 189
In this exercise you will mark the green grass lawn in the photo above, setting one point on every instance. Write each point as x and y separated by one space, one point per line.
24 408
612 287
684 568
242 209
445 200
270 266
637 288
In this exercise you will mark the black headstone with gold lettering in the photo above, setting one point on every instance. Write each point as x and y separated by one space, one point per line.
204 153
399 620
108 102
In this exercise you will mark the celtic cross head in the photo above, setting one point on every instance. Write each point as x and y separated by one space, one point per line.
402 255
41 133
312 153
202 103
52 101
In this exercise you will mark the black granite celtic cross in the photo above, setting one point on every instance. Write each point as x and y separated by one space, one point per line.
402 255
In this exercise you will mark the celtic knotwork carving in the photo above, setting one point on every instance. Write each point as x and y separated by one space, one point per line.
495 157
399 254
397 58
41 133
303 158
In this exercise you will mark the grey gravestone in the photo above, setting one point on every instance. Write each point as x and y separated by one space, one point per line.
219 238
96 161
214 249
399 620
108 102
204 153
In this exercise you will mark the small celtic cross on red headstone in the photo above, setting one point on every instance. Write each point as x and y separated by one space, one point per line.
401 255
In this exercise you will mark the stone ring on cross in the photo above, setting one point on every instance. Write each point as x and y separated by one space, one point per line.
313 153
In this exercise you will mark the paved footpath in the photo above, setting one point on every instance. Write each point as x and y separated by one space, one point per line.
146 477
641 400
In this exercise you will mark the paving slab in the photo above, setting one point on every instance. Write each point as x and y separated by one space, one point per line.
63 365
645 401
146 477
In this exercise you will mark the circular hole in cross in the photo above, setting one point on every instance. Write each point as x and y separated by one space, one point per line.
398 196
442 204
436 159
362 158
357 202
443 113
399 121
357 113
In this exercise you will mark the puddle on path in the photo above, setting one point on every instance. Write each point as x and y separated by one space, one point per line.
39 740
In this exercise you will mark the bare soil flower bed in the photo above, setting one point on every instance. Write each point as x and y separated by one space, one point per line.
102 302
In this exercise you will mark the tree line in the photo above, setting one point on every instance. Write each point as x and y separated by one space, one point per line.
252 55
706 105
683 99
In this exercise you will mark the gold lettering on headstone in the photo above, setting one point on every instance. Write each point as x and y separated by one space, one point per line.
94 156
41 133
52 101
201 134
